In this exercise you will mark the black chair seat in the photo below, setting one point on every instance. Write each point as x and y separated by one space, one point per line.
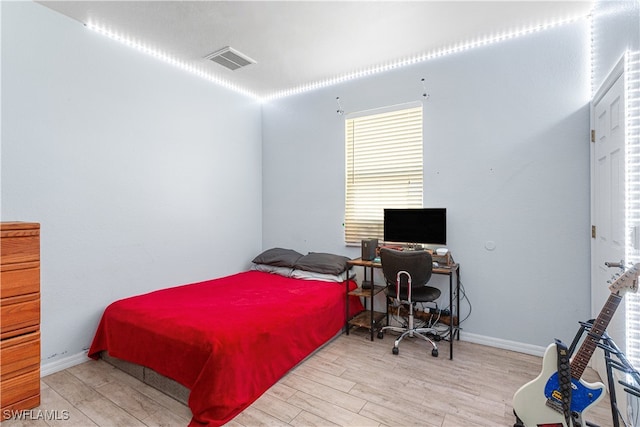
421 294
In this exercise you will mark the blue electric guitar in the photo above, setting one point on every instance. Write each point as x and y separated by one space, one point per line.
539 402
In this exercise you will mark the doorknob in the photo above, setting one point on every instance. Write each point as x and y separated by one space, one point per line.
619 264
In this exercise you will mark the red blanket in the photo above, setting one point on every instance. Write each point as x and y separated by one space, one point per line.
228 340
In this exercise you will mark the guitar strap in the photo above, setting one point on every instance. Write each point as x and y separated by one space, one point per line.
564 381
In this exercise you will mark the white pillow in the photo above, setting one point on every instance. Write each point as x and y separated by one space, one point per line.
273 269
312 275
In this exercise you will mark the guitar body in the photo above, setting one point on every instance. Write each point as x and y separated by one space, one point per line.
533 402
539 402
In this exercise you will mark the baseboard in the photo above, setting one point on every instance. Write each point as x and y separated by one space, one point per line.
62 364
520 347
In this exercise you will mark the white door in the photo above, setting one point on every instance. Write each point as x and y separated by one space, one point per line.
608 189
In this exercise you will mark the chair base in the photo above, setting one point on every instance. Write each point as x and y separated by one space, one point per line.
413 332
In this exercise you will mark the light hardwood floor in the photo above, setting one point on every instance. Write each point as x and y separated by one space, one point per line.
350 382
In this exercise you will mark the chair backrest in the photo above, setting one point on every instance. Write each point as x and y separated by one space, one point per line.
419 264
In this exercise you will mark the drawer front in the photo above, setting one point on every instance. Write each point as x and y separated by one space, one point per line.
19 355
19 315
20 249
20 388
14 281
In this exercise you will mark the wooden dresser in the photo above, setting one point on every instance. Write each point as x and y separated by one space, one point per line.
19 317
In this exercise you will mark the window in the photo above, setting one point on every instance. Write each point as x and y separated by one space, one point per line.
383 168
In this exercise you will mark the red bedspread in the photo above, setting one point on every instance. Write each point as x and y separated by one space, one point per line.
228 340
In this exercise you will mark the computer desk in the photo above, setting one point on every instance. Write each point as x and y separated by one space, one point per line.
449 270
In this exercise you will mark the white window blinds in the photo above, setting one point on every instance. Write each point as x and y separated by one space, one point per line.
384 169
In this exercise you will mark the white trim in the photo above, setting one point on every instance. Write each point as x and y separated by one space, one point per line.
608 82
520 347
62 364
632 186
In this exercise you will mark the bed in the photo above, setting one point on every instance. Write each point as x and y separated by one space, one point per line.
229 339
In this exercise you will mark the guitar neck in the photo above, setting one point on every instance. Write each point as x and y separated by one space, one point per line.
581 360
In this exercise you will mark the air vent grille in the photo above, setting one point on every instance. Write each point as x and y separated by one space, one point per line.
230 58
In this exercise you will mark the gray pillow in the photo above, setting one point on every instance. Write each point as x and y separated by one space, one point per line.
278 257
323 263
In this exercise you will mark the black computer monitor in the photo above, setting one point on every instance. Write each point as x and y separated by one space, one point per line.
424 226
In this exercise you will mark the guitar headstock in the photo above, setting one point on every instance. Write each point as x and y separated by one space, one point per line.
627 281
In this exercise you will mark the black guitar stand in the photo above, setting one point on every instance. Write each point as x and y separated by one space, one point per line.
615 360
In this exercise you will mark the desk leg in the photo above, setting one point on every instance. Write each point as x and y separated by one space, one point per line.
346 304
451 316
371 304
458 302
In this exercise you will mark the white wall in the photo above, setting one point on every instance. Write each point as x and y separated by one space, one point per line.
141 175
506 152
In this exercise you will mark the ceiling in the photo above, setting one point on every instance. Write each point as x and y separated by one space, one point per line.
297 43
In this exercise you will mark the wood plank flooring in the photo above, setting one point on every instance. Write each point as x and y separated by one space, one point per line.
350 382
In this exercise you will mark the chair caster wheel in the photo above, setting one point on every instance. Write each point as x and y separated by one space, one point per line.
395 350
380 335
434 352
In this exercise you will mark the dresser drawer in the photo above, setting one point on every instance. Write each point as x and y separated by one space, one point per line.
20 388
19 279
20 315
23 248
19 355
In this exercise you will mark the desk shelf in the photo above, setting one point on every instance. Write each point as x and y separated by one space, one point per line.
370 319
366 293
363 320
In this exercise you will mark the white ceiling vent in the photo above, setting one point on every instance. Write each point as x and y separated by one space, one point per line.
230 58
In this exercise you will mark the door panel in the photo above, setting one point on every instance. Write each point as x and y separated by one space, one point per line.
608 208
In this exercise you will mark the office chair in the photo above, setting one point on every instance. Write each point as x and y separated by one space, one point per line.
406 274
